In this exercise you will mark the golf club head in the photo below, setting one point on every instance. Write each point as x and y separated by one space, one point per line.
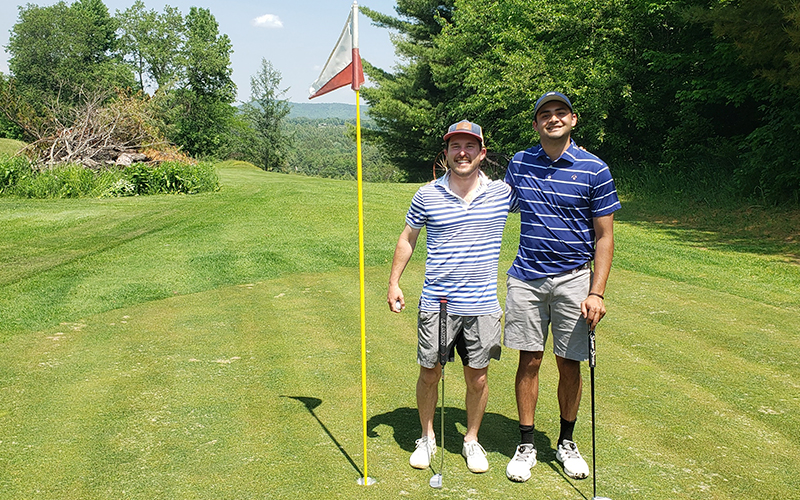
436 481
600 498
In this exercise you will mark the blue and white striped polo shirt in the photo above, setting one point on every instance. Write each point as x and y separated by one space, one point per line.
463 244
557 202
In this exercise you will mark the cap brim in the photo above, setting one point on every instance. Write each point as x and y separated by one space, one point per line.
465 132
549 99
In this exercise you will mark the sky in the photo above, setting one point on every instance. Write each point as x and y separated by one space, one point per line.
296 36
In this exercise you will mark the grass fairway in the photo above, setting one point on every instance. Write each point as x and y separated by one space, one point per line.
207 347
10 146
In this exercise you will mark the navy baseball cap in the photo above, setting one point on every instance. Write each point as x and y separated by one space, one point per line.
550 97
465 127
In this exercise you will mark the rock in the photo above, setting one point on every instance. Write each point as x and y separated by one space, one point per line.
89 163
124 160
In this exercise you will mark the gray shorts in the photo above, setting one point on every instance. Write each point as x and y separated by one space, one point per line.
477 338
555 302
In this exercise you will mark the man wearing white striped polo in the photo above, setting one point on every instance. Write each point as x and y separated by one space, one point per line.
567 201
464 213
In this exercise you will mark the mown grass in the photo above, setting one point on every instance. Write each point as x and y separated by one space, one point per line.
208 347
10 146
75 257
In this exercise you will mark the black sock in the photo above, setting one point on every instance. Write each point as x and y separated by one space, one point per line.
566 430
526 434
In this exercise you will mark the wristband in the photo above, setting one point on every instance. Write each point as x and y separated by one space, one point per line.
597 295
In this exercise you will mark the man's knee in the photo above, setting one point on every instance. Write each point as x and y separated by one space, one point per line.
429 376
476 379
568 368
530 361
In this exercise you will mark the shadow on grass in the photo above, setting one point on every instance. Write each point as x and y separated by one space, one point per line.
311 404
746 228
498 434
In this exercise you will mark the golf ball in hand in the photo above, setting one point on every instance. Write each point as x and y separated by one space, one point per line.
398 305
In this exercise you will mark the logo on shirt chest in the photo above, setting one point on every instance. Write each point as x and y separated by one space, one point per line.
574 177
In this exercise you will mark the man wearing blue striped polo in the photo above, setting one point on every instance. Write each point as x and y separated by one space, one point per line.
464 213
567 201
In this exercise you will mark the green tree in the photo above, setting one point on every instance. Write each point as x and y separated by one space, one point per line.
101 40
208 57
201 106
665 90
60 51
766 35
8 128
407 105
151 43
265 113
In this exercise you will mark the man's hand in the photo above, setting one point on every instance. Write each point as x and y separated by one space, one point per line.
395 299
593 309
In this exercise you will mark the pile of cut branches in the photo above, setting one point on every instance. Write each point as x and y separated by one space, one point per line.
105 131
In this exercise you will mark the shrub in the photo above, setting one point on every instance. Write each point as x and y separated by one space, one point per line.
120 187
67 181
18 178
13 170
173 177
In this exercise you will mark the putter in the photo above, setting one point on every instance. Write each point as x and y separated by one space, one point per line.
592 362
436 480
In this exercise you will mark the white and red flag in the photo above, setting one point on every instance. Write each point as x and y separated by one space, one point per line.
344 63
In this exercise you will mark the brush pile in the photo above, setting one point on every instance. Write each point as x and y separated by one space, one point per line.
101 133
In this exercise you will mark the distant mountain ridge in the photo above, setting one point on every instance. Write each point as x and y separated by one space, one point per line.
325 110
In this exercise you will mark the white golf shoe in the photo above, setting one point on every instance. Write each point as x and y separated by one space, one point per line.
574 464
476 457
426 448
519 468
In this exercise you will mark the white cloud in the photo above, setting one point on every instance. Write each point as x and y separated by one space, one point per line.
268 21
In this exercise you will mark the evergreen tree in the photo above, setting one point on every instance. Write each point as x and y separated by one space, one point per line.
268 144
407 106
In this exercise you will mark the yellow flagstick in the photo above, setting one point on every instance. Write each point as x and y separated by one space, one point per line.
330 79
366 480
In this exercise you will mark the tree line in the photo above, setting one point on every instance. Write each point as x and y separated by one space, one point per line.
146 78
168 72
326 147
689 97
697 97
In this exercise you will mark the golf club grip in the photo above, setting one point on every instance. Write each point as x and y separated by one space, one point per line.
592 349
442 332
